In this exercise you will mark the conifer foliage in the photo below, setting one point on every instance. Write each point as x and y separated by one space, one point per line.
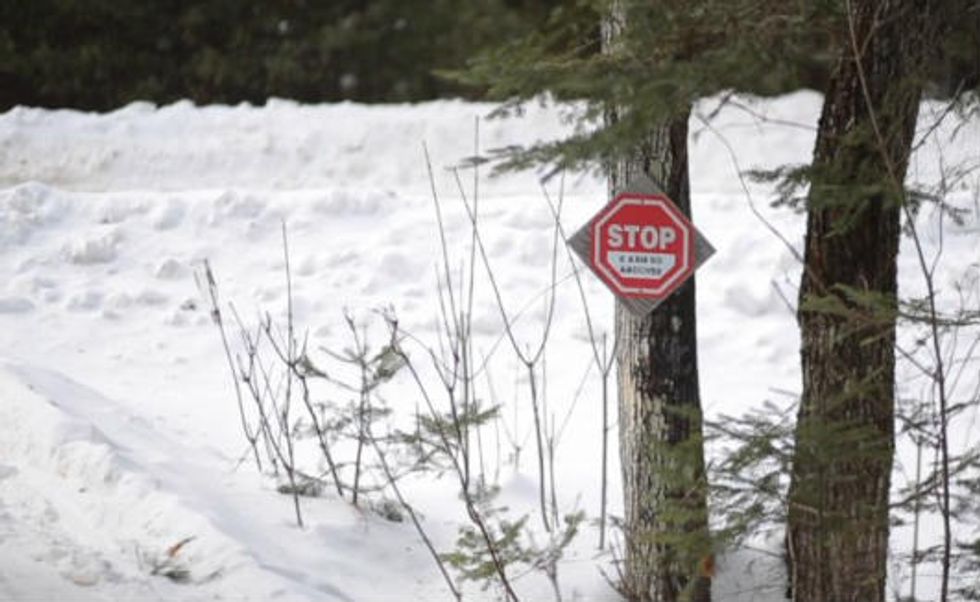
839 497
874 60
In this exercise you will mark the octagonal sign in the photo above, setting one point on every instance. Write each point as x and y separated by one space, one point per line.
641 246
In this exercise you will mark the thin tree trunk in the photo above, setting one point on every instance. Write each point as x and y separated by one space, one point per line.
837 538
659 412
661 450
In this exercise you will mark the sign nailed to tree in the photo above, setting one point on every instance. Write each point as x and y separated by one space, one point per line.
642 246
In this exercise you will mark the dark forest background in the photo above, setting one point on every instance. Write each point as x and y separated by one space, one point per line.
102 54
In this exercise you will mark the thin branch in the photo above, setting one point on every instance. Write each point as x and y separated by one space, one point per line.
392 482
940 373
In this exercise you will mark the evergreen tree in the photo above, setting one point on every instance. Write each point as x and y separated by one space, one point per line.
658 58
839 496
665 527
672 53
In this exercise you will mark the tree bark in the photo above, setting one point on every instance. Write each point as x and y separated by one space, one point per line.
837 538
661 449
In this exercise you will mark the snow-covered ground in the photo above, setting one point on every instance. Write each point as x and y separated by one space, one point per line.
119 435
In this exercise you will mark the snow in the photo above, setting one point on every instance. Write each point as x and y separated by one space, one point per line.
118 427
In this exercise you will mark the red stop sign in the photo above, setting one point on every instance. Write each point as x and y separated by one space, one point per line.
642 246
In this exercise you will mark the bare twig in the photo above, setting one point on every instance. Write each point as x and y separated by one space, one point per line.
212 290
392 482
530 359
471 509
604 361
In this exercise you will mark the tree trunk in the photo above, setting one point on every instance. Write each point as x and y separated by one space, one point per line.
837 539
661 449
